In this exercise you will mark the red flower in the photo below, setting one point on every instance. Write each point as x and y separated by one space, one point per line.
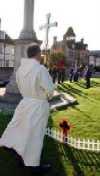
65 126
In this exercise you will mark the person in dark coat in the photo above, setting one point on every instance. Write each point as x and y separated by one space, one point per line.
71 74
54 73
61 70
88 75
76 76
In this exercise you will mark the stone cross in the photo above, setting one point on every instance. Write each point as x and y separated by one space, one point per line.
47 26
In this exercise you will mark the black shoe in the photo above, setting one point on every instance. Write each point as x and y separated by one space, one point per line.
40 169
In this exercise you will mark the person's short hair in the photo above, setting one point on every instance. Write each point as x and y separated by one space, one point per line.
33 50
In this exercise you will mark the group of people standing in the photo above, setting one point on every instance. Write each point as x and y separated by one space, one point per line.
57 71
76 74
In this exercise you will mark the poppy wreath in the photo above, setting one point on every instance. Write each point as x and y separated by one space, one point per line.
65 126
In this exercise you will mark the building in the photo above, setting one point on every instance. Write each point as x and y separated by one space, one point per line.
6 56
81 53
76 53
6 50
94 58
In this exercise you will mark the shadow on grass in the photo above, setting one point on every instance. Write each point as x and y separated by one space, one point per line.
95 84
81 84
71 90
51 154
92 83
80 160
4 120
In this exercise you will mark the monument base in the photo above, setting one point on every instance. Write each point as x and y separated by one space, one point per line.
12 94
11 98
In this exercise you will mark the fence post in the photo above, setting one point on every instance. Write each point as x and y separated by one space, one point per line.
83 147
88 144
93 142
61 136
54 134
48 132
78 143
74 143
98 145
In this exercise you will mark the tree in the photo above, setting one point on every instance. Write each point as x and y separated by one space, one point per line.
55 57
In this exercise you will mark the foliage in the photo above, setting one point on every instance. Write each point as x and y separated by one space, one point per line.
4 120
54 57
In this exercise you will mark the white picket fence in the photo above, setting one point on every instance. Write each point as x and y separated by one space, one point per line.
85 144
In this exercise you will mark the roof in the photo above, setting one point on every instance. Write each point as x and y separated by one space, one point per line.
69 33
80 45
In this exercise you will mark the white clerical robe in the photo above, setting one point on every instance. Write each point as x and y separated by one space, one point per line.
26 130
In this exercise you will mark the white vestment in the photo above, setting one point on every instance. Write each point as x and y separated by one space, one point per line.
26 130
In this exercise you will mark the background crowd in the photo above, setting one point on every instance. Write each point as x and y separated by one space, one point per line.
58 73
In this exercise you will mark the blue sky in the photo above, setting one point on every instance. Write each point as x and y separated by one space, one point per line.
82 15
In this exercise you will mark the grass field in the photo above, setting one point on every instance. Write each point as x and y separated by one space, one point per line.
85 116
67 161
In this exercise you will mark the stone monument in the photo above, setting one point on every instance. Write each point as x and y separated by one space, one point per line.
28 26
26 37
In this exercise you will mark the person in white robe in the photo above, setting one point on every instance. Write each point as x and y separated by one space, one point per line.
26 130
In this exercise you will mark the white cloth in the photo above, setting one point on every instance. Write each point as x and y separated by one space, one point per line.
26 130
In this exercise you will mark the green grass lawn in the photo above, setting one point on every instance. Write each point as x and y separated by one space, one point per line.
85 116
65 160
